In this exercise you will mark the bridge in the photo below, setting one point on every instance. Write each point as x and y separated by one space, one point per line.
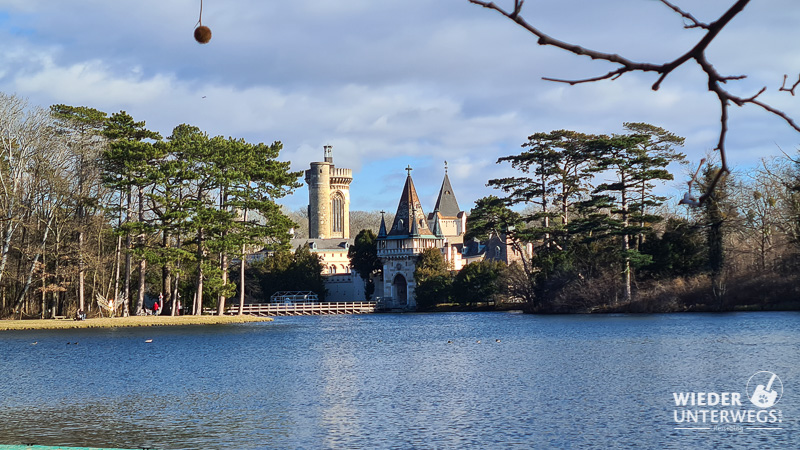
303 308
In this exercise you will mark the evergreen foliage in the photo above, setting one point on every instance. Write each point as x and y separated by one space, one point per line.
285 271
434 281
363 256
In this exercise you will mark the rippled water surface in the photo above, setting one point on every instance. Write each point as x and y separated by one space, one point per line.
460 380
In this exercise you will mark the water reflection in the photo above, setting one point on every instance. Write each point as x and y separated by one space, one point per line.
391 381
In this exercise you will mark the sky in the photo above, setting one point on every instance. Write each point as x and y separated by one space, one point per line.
397 83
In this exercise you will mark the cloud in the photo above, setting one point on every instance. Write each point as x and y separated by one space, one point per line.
398 82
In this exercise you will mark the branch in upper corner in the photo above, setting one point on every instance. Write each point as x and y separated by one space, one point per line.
613 75
694 22
794 86
696 53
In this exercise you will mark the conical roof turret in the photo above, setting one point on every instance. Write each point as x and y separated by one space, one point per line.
409 219
437 227
446 203
382 231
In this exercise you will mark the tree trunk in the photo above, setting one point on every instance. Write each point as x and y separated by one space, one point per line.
625 243
128 245
223 258
143 261
241 273
223 262
176 304
29 278
44 292
166 273
198 299
81 265
115 295
81 272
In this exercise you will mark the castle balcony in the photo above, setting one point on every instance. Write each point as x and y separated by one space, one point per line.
398 252
341 176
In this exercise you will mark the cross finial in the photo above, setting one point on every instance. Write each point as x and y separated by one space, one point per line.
445 167
409 169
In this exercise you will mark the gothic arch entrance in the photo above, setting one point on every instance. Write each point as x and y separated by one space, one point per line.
400 288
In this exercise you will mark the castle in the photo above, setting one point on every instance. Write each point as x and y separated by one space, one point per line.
411 232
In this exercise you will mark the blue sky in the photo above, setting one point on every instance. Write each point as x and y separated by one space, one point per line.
392 83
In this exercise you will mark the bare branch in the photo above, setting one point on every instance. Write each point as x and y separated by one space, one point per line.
794 86
694 22
613 75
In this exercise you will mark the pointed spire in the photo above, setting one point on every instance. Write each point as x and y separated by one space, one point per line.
446 203
382 231
409 213
437 227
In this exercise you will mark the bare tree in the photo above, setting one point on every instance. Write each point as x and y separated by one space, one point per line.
697 53
24 133
50 192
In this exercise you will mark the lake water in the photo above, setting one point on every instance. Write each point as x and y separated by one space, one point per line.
400 381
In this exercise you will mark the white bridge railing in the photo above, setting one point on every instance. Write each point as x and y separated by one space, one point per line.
304 309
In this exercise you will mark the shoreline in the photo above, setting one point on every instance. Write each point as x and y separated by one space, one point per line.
125 322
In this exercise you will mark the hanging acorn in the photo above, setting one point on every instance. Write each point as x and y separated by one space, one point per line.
202 33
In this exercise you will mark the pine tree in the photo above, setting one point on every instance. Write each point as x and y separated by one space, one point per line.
127 166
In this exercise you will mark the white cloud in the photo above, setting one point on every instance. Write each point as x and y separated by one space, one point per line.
397 82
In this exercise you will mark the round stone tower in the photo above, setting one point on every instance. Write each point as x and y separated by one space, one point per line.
328 199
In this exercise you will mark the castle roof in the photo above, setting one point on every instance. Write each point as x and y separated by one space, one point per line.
446 203
409 219
382 230
437 227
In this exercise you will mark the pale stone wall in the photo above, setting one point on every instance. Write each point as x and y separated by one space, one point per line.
319 194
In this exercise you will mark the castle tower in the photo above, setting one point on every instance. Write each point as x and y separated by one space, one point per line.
452 220
400 246
328 199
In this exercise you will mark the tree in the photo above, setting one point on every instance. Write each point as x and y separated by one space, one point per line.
25 136
363 256
679 252
636 160
657 152
479 282
559 162
128 165
716 214
433 279
81 127
367 220
491 217
715 81
287 271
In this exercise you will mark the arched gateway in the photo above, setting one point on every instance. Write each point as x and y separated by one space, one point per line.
400 290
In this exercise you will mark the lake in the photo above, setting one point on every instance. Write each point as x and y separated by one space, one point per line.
448 380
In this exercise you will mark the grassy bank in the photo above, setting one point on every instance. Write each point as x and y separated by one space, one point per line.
132 321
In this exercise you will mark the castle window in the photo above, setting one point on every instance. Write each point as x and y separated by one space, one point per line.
337 213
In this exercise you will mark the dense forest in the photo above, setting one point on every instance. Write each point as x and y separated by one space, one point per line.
97 209
590 233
